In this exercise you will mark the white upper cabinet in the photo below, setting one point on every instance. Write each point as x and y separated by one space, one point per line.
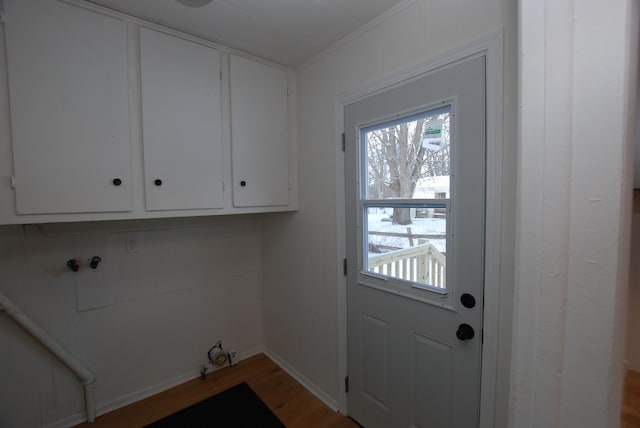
69 106
181 123
259 134
105 117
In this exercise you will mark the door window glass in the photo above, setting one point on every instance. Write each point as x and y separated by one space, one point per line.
406 199
409 158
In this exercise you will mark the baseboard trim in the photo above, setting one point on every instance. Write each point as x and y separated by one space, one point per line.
68 422
141 394
104 408
308 384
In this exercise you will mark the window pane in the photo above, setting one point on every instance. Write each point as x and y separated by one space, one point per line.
409 158
415 252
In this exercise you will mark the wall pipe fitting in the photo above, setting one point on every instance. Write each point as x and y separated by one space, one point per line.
83 374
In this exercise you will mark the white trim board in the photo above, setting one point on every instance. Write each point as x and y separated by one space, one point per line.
141 394
163 386
357 33
490 45
130 19
304 381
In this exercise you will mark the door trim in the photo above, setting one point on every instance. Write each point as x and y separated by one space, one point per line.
491 46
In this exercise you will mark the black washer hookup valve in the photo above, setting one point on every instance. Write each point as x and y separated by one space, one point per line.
73 265
94 262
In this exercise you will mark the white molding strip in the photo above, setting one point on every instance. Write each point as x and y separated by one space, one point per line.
493 282
430 65
144 393
357 33
163 386
341 252
304 381
129 399
68 421
168 30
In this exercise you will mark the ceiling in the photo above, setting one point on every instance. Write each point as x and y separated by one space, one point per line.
288 32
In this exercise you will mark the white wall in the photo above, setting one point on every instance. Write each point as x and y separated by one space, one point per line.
567 333
574 211
190 283
301 290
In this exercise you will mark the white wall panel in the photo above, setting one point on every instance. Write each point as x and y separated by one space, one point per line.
189 284
301 291
574 209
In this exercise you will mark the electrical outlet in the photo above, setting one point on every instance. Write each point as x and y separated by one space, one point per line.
132 245
233 357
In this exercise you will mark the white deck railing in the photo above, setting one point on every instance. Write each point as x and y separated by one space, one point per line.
422 263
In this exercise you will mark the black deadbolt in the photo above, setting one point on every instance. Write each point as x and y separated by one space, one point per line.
157 182
465 332
117 182
467 300
243 183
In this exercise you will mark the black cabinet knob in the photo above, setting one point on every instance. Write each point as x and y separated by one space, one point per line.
157 182
243 183
117 182
465 332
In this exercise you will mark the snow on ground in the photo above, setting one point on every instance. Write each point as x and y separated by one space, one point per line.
381 222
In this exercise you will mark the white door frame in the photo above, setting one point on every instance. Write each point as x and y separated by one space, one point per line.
490 45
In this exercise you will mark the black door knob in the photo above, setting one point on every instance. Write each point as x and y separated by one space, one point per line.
157 182
117 182
465 332
243 183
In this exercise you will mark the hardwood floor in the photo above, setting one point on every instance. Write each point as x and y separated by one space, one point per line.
290 401
631 402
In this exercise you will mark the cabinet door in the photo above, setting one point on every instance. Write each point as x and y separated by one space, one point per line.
69 108
259 134
181 115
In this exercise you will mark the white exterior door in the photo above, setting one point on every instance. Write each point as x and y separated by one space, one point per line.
415 174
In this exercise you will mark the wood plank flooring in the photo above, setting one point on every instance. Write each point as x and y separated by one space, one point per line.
631 401
290 401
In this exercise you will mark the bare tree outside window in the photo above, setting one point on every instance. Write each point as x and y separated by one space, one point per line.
401 155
